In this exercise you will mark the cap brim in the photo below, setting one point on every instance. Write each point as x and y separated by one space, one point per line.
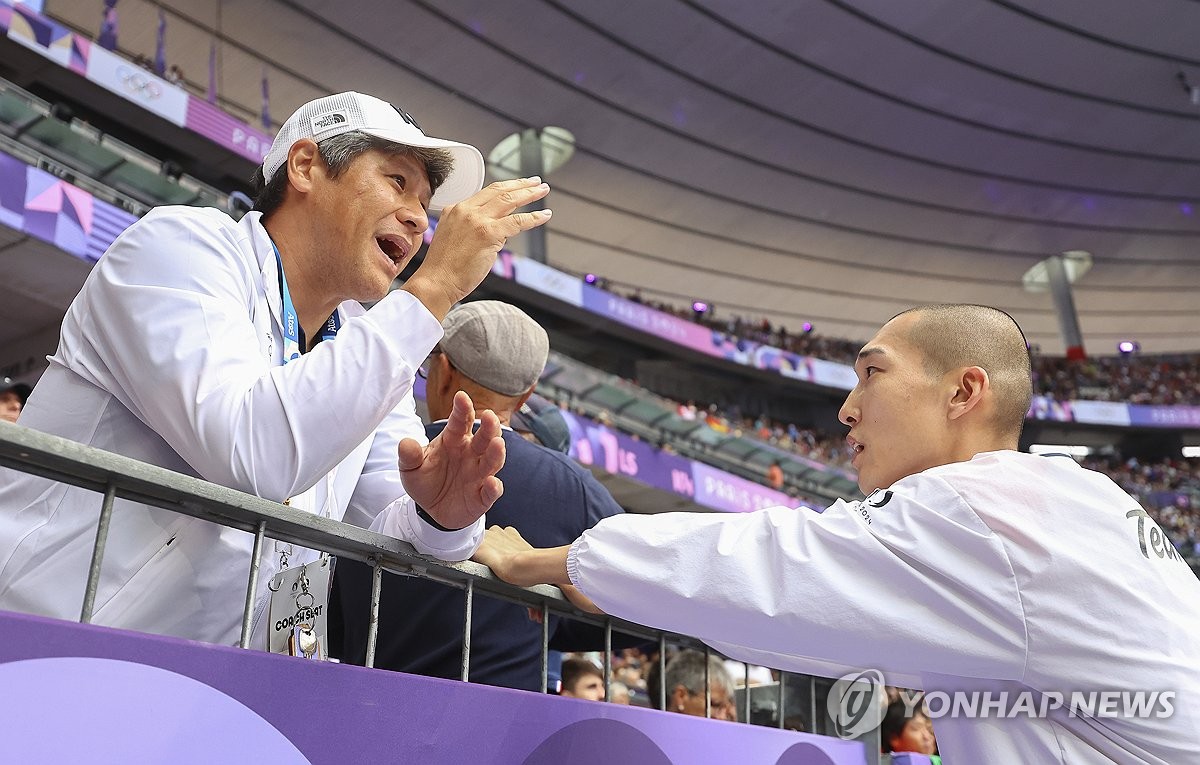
466 177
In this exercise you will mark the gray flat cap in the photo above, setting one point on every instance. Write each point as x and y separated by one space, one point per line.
495 344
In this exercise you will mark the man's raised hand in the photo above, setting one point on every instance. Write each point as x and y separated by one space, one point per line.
454 478
468 237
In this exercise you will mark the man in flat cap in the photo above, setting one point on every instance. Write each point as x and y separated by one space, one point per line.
496 353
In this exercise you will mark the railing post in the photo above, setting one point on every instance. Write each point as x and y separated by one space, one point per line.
252 585
545 646
707 682
466 650
373 619
93 580
812 702
608 659
782 698
746 686
662 671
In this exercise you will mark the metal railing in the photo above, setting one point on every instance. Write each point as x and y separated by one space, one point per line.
113 476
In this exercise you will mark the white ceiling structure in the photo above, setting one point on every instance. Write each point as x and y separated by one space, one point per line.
832 161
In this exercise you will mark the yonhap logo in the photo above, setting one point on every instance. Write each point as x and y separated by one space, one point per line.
856 703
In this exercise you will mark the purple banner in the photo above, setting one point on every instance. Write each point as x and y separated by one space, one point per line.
646 319
79 693
1164 416
725 491
620 454
57 212
1114 413
223 130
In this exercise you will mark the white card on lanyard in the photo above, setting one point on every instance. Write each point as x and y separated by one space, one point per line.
299 602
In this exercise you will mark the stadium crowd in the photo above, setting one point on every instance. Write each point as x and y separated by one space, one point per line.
1170 380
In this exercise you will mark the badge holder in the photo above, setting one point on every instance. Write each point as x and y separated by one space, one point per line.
299 602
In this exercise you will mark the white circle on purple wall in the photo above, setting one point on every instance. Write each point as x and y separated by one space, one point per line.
76 709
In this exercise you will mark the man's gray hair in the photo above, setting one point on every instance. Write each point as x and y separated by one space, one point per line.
687 669
337 153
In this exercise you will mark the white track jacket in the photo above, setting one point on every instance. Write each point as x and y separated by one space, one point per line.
1009 573
172 353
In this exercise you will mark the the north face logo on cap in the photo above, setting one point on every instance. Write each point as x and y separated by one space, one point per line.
328 120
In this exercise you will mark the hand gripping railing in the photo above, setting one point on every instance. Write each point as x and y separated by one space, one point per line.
114 476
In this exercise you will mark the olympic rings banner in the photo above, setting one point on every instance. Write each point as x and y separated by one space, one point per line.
140 86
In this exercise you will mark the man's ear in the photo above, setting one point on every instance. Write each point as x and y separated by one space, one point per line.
971 386
303 161
447 382
678 699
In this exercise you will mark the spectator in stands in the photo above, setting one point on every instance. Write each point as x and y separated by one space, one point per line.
582 679
207 346
969 565
619 693
775 475
539 420
13 396
495 352
174 74
685 685
902 731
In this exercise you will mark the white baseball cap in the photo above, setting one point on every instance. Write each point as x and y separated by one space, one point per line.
344 112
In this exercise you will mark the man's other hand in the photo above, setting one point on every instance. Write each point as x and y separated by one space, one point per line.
454 478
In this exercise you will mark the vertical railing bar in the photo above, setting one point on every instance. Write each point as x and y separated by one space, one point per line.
93 580
782 698
608 659
746 685
252 585
662 670
373 618
466 651
545 646
812 704
707 682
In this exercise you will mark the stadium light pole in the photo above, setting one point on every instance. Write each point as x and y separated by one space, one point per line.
1056 274
527 153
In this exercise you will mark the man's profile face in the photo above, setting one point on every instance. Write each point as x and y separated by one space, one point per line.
897 413
590 687
10 406
371 220
720 700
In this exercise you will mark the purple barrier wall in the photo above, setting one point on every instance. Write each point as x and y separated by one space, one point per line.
79 693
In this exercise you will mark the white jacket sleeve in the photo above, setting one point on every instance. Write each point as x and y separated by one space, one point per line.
167 313
913 584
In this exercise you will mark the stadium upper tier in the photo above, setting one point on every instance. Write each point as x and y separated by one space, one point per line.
80 153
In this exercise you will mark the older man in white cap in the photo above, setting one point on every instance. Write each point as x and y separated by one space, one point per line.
237 352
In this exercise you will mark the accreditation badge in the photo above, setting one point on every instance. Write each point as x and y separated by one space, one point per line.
299 602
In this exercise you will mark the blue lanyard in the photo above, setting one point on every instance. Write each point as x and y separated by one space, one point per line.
291 323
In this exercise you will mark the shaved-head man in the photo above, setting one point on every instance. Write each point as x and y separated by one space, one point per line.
1033 593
